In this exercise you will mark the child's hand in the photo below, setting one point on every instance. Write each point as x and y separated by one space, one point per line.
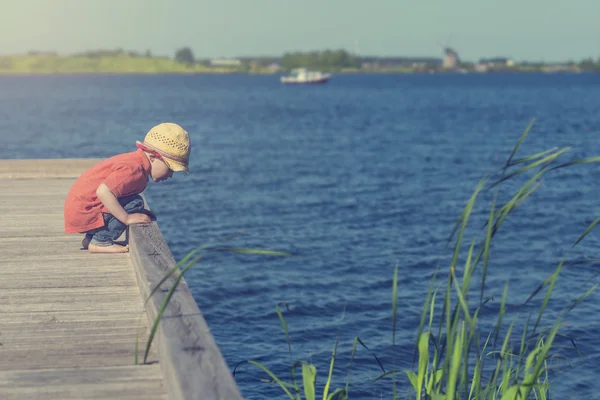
149 213
137 218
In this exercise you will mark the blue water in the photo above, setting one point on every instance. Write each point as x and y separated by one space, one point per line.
352 178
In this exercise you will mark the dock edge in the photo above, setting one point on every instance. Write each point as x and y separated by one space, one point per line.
192 364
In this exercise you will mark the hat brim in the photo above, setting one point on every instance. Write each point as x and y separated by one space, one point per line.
176 166
173 165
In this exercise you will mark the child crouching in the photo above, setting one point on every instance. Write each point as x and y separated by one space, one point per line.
106 199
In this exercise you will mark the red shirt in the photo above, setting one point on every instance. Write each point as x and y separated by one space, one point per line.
124 174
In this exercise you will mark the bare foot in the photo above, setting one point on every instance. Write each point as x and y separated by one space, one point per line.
115 248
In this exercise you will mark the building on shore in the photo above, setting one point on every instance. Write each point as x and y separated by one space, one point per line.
225 62
451 59
494 64
390 63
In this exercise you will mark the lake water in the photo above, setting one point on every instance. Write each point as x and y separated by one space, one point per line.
352 178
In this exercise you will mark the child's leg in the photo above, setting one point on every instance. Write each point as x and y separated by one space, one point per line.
131 204
102 240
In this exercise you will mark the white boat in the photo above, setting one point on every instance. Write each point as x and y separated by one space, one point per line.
304 75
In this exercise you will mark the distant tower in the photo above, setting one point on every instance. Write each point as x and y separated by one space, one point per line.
356 49
451 59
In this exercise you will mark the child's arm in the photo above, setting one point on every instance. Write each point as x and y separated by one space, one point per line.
112 205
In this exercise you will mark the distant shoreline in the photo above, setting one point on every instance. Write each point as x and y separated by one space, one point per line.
224 73
126 64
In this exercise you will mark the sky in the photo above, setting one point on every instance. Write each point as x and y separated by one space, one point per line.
532 30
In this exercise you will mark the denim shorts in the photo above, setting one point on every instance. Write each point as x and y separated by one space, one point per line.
113 228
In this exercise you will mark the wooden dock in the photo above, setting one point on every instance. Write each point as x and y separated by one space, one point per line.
69 319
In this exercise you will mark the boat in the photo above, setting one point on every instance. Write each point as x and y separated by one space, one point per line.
306 76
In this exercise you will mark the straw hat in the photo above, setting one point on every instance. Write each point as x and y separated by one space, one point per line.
172 142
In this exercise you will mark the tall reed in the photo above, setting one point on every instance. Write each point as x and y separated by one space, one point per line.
456 360
179 271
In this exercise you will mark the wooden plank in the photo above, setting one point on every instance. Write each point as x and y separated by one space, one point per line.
59 278
69 316
52 251
45 168
69 319
192 364
69 355
126 382
54 328
52 187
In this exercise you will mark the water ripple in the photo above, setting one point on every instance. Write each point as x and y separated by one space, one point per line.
352 178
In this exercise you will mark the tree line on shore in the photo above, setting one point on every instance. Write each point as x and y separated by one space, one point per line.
328 60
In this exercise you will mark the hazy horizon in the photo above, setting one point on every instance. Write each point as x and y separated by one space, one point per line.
532 31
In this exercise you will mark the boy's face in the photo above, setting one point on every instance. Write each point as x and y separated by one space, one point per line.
160 171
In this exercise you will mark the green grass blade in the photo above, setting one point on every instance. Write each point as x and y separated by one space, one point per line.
586 261
359 340
447 347
250 251
461 299
309 376
431 310
163 306
423 361
455 228
513 393
518 144
572 342
469 268
455 365
394 312
475 391
523 345
136 348
294 384
548 293
514 201
429 304
435 381
137 338
284 325
532 157
467 213
274 377
394 304
580 299
388 373
338 394
330 375
494 380
525 191
540 360
464 216
577 162
525 195
500 314
414 381
172 271
546 160
536 291
289 342
588 230
208 248
354 342
486 248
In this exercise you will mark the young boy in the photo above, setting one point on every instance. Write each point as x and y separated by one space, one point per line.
105 199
